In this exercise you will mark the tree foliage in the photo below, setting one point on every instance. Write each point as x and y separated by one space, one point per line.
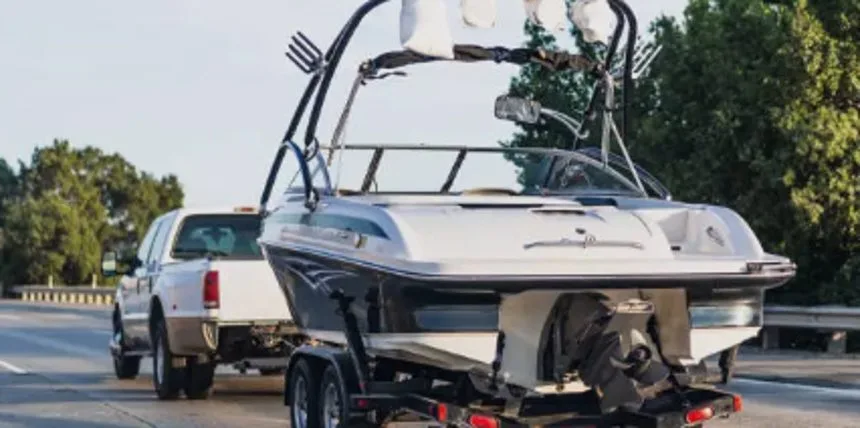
69 204
8 189
755 105
563 92
8 192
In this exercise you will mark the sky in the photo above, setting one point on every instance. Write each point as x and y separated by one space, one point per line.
202 89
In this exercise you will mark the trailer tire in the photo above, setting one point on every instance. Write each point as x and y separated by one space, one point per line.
332 405
302 395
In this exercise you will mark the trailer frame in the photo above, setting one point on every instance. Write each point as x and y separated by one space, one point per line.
370 393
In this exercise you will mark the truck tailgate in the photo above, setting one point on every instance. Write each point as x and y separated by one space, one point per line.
250 292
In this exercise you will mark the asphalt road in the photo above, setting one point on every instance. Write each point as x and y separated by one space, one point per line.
55 372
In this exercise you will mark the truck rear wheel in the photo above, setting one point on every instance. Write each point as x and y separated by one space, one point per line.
199 379
303 395
167 379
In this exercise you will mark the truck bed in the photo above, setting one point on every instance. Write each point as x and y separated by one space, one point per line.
248 291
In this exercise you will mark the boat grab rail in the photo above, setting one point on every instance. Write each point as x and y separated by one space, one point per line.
311 194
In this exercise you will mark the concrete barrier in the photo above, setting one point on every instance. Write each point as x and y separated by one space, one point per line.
82 295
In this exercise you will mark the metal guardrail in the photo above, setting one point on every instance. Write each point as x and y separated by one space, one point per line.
818 317
66 294
834 320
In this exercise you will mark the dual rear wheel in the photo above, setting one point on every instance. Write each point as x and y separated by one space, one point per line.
196 378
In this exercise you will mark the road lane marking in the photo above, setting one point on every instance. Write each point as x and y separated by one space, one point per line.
10 317
13 368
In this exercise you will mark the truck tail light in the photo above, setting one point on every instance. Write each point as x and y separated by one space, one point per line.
211 290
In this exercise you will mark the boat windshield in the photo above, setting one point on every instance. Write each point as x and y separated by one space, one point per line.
395 169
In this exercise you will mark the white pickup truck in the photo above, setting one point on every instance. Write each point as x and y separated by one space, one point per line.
196 294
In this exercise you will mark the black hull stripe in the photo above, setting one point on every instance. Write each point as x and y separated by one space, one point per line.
518 283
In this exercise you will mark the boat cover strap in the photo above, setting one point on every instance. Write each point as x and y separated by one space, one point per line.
553 60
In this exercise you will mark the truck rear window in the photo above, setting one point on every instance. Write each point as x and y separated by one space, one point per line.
224 236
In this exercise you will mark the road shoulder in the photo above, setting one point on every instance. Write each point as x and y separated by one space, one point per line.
800 367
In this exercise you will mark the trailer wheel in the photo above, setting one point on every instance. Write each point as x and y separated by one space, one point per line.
333 405
302 396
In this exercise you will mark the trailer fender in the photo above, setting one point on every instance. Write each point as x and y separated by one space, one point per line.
320 357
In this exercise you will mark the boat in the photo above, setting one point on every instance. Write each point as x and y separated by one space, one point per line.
582 274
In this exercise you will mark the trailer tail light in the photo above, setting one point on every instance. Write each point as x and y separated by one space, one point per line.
699 415
440 412
211 290
481 421
737 403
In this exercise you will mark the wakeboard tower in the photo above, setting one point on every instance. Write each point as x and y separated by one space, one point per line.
584 297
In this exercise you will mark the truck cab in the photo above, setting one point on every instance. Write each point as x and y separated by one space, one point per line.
196 293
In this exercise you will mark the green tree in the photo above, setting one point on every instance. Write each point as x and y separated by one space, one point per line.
565 92
8 192
823 121
753 105
8 189
73 204
50 236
